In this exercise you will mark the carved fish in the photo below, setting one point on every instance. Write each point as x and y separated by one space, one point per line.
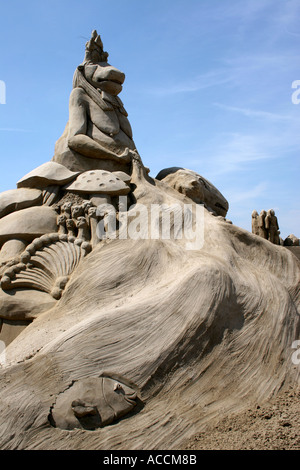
94 402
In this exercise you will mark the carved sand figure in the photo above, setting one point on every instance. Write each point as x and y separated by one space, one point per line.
86 206
76 211
189 334
272 227
255 227
71 227
262 231
93 220
98 127
61 222
99 136
66 210
83 229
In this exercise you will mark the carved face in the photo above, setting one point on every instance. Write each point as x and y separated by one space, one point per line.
105 77
70 224
81 222
61 219
77 211
93 402
66 207
86 206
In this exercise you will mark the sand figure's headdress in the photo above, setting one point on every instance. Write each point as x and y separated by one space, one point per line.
94 50
93 55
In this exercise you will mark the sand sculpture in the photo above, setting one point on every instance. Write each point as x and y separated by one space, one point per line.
99 328
266 226
93 403
272 227
254 223
199 189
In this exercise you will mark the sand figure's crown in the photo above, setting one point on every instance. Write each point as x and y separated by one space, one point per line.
94 50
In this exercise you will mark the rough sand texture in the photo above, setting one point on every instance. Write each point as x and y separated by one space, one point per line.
271 426
199 332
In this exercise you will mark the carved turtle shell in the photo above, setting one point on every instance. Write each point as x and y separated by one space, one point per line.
99 182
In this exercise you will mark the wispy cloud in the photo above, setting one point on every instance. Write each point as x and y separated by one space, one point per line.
255 113
240 195
233 153
201 82
237 151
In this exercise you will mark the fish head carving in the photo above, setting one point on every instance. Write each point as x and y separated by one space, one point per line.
94 402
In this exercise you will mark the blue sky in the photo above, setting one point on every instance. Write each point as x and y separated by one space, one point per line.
208 87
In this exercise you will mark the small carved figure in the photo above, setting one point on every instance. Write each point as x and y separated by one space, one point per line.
77 211
71 225
61 222
86 206
83 228
272 227
93 219
255 228
66 209
262 231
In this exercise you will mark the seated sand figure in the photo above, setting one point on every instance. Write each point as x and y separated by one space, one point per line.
98 127
272 227
255 228
45 222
